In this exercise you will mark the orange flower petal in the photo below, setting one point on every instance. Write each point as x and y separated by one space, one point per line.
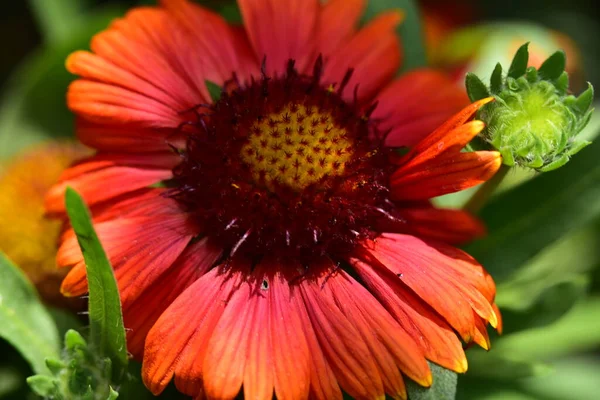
374 55
281 31
454 134
323 381
392 348
444 175
433 336
141 314
337 22
125 138
291 356
414 105
152 242
447 225
163 160
231 346
224 48
438 286
105 103
199 307
341 342
116 181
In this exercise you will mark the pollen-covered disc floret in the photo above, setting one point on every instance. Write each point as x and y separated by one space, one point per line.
297 146
284 164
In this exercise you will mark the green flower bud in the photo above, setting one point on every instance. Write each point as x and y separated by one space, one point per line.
533 121
79 375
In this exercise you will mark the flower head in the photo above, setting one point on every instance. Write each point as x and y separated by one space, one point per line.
273 238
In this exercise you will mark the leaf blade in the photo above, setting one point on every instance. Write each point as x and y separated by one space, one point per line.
107 332
26 324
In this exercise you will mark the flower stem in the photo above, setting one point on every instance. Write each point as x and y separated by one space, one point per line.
482 195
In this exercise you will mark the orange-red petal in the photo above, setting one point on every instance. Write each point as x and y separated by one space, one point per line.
415 104
448 225
438 285
341 342
224 49
337 23
142 313
444 175
280 31
178 339
433 336
374 55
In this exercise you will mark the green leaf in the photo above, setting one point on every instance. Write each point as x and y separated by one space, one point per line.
107 334
57 18
25 323
518 67
443 387
523 221
214 90
554 66
476 89
496 79
410 31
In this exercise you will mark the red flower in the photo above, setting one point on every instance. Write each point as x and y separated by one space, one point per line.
290 249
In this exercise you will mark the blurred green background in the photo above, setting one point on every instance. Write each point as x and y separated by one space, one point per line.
544 242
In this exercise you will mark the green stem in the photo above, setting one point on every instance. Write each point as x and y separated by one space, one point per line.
482 195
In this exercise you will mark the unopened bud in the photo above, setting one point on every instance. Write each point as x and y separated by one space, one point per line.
533 121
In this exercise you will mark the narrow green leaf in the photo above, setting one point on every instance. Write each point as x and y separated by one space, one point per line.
496 80
523 221
518 67
410 31
25 323
107 334
214 90
476 89
443 387
554 66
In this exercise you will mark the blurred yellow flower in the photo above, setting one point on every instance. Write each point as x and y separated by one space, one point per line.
26 236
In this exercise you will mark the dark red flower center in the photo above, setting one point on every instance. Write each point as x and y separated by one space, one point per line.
284 165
